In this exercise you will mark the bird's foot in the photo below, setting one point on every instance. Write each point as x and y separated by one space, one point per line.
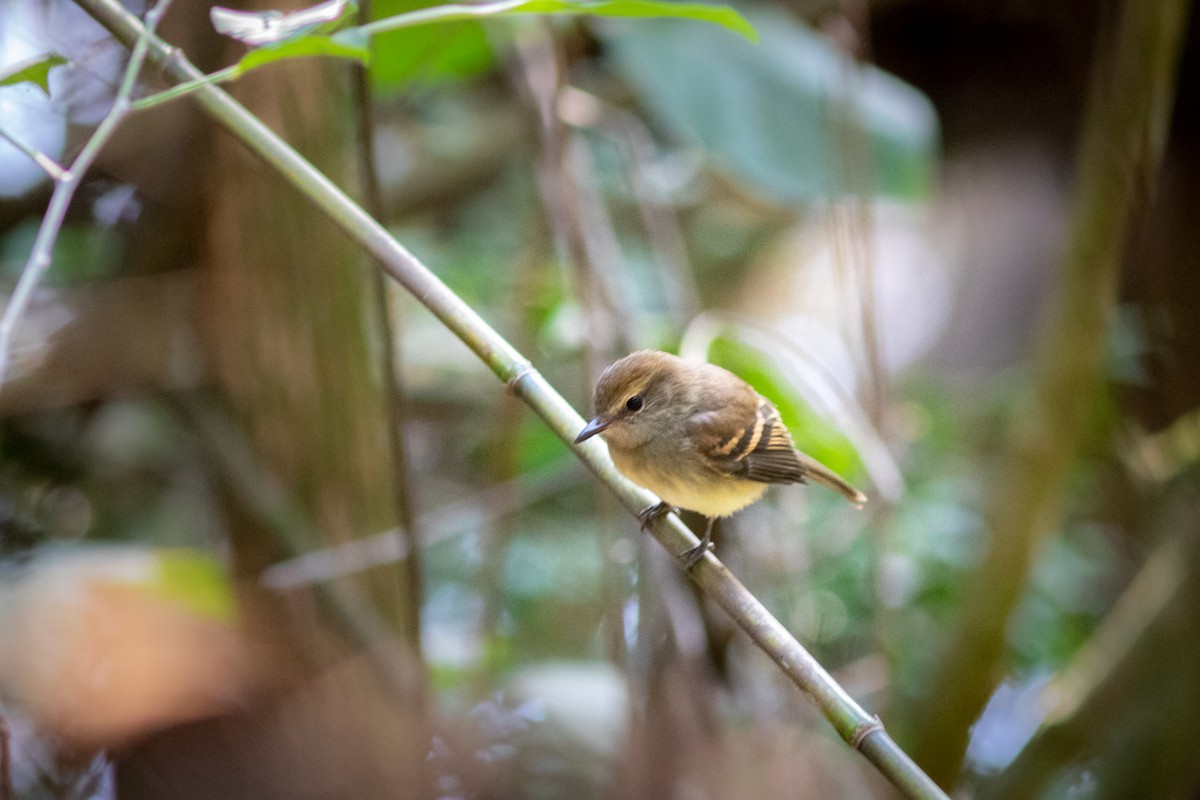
694 554
649 515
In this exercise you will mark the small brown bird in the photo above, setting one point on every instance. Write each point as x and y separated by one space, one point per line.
699 437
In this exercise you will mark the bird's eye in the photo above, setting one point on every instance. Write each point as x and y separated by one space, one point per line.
634 403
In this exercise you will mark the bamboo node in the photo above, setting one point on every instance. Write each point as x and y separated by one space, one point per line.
522 371
864 730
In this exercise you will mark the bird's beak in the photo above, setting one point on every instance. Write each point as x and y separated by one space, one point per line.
592 428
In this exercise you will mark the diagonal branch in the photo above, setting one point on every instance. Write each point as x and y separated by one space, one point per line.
852 723
47 164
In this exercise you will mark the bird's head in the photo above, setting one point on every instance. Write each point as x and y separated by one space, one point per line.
635 399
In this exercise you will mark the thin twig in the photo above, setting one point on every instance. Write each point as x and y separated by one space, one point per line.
625 131
394 399
852 723
67 184
484 509
450 12
48 164
504 457
585 240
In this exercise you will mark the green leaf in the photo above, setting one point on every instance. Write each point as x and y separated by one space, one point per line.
35 70
793 118
724 16
431 54
350 44
455 51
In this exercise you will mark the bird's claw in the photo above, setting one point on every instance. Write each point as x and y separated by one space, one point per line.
694 554
648 515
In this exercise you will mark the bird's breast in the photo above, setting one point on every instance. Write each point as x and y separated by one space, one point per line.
685 484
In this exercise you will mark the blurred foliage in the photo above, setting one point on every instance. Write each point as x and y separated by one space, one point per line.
433 54
82 253
783 113
199 582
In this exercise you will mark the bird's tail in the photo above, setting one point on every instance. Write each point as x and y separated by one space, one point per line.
819 473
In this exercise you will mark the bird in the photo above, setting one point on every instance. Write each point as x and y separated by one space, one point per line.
699 437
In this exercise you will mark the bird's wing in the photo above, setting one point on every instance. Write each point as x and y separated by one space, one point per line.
775 458
758 449
762 450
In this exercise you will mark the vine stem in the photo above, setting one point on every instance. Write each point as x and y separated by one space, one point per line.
67 183
859 729
47 164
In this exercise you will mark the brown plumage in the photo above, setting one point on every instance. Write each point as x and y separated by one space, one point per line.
698 436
